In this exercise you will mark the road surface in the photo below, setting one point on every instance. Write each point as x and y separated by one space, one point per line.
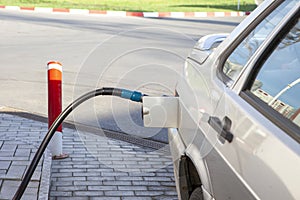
137 53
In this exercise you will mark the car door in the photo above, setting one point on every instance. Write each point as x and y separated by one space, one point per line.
256 121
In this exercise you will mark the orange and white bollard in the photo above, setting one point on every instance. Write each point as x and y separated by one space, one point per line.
55 107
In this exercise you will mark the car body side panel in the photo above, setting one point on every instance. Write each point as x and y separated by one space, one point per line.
198 136
267 157
200 146
225 183
178 150
189 127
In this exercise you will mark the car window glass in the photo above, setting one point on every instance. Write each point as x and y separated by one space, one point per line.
245 50
278 81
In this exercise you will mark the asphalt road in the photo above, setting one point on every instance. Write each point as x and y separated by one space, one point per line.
136 53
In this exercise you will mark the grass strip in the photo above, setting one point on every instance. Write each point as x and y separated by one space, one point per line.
141 5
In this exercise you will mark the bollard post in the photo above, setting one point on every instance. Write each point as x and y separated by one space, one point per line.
55 107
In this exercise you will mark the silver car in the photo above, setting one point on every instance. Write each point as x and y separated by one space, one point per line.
238 129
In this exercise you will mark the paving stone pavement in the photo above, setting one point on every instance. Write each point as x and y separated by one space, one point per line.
103 168
19 140
99 167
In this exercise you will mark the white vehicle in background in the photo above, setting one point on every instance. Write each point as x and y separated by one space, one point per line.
238 130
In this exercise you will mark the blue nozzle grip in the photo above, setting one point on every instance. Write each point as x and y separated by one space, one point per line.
132 95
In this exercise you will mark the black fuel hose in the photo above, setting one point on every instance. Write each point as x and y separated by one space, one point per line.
127 94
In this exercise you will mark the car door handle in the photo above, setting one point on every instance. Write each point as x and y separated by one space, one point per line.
222 128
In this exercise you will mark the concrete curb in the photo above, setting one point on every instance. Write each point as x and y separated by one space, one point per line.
45 181
126 13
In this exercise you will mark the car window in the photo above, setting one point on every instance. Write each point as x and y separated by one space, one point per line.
278 81
246 49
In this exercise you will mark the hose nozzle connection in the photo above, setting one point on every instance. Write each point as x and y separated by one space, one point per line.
126 94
